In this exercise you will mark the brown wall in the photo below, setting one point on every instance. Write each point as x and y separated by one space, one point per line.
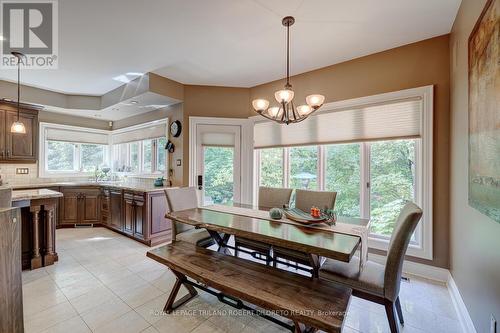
208 101
475 238
419 64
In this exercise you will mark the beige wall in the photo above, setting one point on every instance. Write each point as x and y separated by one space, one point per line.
208 101
475 238
419 64
66 119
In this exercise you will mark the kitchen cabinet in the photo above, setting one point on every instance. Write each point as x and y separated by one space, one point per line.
105 204
79 206
115 206
133 203
16 147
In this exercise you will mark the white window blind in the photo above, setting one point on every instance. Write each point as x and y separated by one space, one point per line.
396 119
142 133
75 135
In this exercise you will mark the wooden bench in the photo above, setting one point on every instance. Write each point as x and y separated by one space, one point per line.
310 304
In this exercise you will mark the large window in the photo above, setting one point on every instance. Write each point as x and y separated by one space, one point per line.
140 157
382 172
70 157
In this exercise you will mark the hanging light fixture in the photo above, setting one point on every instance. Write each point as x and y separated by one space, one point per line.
286 113
18 126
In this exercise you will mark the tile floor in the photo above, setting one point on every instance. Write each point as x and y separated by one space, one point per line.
103 282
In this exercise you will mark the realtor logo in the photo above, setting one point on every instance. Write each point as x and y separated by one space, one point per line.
29 27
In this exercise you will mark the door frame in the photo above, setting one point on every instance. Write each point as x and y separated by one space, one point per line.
246 150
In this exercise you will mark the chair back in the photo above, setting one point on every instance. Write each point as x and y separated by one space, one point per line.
178 199
305 199
405 226
5 197
274 197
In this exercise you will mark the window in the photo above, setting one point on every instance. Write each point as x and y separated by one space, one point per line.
343 175
271 167
390 167
70 157
304 167
218 174
61 156
392 182
145 157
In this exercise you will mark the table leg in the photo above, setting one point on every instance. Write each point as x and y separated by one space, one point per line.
36 259
221 241
171 304
50 255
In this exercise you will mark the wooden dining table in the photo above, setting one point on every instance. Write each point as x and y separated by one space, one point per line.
320 240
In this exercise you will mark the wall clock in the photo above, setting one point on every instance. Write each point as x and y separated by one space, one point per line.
175 128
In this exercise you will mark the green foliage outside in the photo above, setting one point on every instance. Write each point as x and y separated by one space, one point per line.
303 167
92 157
343 176
271 167
218 173
161 142
60 156
392 169
147 155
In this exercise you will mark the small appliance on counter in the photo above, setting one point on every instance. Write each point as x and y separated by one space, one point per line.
159 181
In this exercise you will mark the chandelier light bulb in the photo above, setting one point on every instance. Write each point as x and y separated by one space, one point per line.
315 101
260 104
304 109
273 111
284 96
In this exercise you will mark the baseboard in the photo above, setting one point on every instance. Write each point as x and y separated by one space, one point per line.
460 308
411 268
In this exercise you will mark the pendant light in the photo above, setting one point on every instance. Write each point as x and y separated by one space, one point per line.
18 127
285 112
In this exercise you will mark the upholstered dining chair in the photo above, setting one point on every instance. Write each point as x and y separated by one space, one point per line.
376 282
304 200
269 197
181 199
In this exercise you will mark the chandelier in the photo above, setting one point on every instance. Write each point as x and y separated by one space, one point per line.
285 112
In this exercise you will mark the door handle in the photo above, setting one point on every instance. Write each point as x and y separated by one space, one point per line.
200 182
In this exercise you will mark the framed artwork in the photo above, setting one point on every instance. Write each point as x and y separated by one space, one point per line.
484 112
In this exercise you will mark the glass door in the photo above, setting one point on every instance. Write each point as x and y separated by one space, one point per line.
218 169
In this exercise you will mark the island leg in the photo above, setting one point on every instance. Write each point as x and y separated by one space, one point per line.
36 259
50 255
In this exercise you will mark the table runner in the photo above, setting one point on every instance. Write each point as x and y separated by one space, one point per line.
339 227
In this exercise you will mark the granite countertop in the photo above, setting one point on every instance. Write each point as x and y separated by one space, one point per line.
118 184
43 193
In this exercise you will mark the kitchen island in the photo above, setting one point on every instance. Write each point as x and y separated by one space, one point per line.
38 216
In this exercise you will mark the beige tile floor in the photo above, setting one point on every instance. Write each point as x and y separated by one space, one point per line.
103 282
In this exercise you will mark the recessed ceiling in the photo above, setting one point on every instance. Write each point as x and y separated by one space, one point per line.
224 42
137 105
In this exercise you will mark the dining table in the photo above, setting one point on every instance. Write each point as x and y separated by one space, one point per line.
340 239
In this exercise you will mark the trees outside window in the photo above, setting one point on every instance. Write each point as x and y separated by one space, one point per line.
304 167
218 170
92 157
342 175
271 167
61 156
161 154
147 154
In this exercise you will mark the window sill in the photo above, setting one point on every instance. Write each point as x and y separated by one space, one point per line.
414 249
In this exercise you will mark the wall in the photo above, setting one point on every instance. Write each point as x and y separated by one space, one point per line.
414 65
208 101
66 119
475 238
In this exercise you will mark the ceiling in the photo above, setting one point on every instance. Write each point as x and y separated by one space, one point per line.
224 42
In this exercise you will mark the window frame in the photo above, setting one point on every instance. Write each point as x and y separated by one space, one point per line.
153 171
422 247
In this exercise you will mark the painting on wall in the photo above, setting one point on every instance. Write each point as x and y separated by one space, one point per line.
484 112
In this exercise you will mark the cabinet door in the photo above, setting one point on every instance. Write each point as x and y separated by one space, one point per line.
129 212
115 204
90 209
140 222
69 207
105 206
21 147
2 136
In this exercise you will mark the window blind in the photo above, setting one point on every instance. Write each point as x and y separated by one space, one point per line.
397 119
75 135
150 132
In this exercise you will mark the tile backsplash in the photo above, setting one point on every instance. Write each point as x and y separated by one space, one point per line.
10 177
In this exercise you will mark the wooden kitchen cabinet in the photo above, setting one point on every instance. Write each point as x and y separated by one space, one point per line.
115 206
105 204
15 147
79 206
133 203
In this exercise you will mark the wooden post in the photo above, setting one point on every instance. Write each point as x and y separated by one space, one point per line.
50 255
36 259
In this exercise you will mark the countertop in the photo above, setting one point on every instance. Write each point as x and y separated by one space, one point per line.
43 193
119 184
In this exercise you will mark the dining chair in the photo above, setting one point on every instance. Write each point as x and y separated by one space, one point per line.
375 282
181 199
304 200
269 197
